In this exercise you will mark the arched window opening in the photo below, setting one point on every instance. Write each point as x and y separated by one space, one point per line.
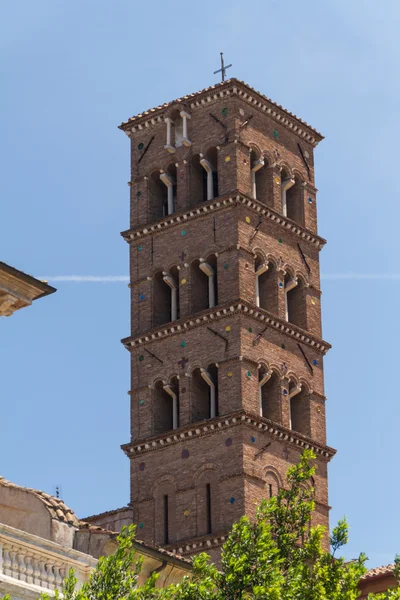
205 393
168 178
177 130
162 299
165 408
290 296
209 164
287 183
204 283
271 484
257 172
158 207
198 287
209 268
295 304
269 390
171 279
172 389
198 181
295 202
299 410
266 285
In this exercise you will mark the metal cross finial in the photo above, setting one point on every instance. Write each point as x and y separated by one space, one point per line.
223 68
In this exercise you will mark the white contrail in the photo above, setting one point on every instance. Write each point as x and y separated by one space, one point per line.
358 276
125 278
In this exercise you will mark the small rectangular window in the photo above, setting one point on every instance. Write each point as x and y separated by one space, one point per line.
208 507
270 490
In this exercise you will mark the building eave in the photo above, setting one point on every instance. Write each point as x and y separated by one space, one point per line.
231 87
42 287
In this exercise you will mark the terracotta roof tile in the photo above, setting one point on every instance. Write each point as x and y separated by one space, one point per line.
56 507
379 571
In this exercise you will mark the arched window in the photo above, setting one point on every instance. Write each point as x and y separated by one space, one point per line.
266 285
299 410
162 300
158 206
171 279
295 202
209 163
258 174
177 130
270 395
204 283
198 181
205 393
271 484
166 406
165 297
168 178
162 193
287 182
295 302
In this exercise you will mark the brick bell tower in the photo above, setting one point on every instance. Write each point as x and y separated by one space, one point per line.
226 348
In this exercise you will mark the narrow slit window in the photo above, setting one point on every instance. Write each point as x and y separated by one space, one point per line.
166 524
208 508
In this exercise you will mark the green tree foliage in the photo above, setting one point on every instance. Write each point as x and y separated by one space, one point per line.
276 556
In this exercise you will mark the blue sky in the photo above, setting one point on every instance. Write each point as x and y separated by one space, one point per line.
71 72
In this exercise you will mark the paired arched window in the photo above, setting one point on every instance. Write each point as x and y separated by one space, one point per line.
204 176
266 284
177 130
295 301
162 193
166 297
292 197
166 406
299 409
204 393
259 176
270 396
204 283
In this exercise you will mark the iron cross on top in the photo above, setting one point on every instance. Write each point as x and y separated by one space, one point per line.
223 68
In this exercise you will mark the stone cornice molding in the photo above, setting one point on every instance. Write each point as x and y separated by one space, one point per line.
201 543
211 426
236 199
209 96
221 312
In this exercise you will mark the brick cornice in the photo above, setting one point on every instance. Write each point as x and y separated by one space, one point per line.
205 543
209 96
221 312
211 426
179 219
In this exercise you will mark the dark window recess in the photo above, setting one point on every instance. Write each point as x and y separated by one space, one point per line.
270 490
208 507
166 525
